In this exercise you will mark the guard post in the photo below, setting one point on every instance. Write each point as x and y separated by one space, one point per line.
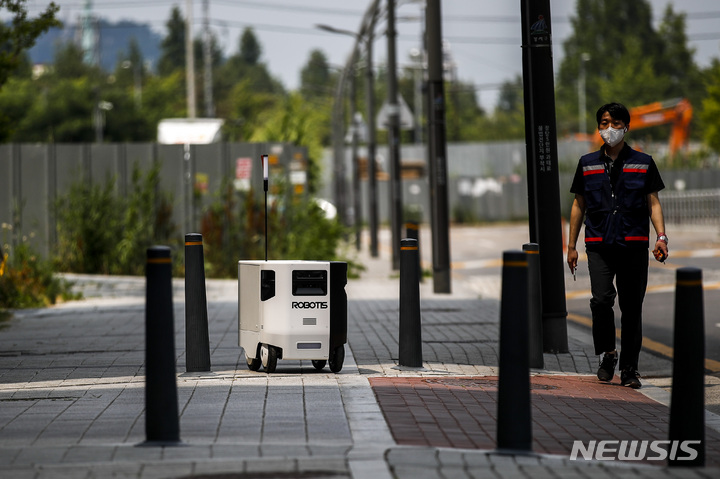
412 231
535 336
410 336
514 428
687 400
197 341
162 427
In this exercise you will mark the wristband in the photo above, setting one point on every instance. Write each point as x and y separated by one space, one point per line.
662 237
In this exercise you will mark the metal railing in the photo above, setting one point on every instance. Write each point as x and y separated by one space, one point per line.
696 207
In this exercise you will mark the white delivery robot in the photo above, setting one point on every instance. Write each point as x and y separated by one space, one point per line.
292 310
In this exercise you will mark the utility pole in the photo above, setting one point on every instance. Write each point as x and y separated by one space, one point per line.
338 115
394 138
542 167
189 61
371 141
207 62
437 151
89 36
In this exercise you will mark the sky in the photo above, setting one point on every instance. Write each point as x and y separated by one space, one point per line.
483 35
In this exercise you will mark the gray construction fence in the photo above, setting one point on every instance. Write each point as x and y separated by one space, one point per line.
487 181
34 176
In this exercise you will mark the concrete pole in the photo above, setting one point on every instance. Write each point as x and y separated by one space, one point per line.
189 61
207 62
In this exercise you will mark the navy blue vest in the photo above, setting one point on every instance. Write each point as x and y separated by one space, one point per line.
617 216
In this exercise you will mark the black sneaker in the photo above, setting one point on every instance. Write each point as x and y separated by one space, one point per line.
607 367
629 377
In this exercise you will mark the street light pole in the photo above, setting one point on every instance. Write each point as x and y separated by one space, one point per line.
339 150
367 34
394 138
354 126
371 143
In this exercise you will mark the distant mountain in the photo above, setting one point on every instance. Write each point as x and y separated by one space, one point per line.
114 41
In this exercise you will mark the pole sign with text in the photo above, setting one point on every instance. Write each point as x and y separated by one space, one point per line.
542 168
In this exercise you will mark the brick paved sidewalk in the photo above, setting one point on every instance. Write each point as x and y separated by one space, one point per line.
461 412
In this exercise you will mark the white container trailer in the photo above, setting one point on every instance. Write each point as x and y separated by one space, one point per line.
292 310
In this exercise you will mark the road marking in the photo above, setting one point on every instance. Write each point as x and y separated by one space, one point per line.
698 253
655 346
477 264
658 288
496 263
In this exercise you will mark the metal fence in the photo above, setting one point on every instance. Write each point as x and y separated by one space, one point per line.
34 176
697 207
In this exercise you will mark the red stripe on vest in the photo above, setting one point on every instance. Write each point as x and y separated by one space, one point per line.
592 172
636 238
592 240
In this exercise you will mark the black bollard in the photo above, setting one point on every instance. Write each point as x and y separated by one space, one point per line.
161 405
514 428
535 351
412 231
410 335
197 341
687 402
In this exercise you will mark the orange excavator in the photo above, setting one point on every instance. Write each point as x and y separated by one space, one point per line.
677 111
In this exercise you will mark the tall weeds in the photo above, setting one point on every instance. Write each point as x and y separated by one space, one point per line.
102 232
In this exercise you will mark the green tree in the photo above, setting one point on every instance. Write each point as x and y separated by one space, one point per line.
63 103
16 99
710 115
508 119
510 99
245 90
63 114
295 121
164 97
21 34
250 49
130 66
461 111
315 77
629 60
68 63
246 109
172 56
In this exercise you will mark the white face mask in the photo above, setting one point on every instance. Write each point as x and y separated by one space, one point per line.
612 136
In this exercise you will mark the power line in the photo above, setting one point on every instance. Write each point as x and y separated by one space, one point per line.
123 24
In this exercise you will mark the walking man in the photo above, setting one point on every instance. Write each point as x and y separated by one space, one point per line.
616 191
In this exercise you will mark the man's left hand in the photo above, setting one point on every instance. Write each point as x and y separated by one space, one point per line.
661 251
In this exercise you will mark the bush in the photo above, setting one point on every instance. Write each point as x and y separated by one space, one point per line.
26 281
100 232
233 229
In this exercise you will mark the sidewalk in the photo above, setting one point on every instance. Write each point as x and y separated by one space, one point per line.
72 396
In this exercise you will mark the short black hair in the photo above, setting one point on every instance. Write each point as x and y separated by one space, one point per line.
616 110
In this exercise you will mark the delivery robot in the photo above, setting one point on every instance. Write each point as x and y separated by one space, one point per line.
292 310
